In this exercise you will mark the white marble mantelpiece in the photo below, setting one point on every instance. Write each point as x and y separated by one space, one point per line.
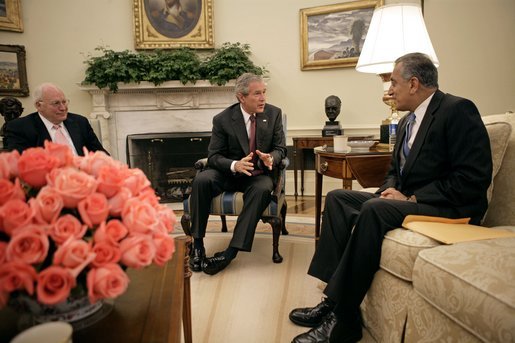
145 108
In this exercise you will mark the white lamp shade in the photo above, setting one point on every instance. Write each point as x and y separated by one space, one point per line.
394 31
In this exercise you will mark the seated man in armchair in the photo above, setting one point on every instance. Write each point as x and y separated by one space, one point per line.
247 143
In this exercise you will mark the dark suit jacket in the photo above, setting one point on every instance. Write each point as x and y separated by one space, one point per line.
450 162
229 139
30 131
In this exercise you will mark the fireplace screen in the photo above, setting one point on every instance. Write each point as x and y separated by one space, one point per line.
167 160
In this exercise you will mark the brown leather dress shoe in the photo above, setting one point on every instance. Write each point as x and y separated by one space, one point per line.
312 316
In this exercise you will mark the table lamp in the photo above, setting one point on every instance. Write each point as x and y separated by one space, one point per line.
395 30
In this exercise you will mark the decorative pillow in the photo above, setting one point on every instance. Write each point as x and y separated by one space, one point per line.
499 133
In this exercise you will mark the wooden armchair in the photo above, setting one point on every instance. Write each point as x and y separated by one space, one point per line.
231 204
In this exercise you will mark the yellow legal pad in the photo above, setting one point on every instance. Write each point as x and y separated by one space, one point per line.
449 231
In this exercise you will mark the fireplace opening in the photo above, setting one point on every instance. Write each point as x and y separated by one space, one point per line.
167 160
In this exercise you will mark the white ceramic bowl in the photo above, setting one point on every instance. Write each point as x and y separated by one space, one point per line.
51 332
360 146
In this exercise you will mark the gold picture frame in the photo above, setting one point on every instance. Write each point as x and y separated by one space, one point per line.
13 71
186 23
332 35
10 15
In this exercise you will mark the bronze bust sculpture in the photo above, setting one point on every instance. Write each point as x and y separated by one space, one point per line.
332 110
10 109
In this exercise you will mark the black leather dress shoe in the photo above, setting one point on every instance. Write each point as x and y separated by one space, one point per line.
213 265
197 257
312 316
319 334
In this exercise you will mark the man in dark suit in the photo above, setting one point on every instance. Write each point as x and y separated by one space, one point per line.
239 158
51 122
441 166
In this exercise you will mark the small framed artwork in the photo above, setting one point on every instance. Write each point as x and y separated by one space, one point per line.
13 72
10 15
166 24
332 36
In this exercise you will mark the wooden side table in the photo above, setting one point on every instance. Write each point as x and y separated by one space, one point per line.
299 145
368 168
153 309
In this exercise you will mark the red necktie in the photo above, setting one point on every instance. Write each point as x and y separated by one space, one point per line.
252 145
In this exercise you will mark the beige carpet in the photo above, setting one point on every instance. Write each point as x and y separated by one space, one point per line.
250 300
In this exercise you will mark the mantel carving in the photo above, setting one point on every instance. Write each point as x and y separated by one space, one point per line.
146 108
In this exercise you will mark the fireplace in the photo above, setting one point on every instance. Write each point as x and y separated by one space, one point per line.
167 160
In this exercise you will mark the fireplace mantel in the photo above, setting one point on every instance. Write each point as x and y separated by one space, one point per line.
146 108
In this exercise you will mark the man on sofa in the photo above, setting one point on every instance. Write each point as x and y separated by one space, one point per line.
441 166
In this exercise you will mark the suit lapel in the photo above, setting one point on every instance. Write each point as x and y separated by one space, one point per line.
74 131
262 120
422 131
40 127
240 130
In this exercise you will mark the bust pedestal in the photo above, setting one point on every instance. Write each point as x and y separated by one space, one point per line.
332 128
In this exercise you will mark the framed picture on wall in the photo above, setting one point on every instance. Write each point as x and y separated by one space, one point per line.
10 15
332 36
13 73
165 24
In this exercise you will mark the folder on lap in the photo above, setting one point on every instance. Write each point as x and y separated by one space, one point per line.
450 231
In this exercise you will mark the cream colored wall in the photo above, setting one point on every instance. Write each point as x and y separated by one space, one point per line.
475 49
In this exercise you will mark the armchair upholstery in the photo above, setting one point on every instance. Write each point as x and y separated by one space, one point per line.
230 203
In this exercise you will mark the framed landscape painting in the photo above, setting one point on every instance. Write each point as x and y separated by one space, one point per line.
13 74
169 24
332 36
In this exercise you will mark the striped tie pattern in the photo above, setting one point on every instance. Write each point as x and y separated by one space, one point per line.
59 137
407 136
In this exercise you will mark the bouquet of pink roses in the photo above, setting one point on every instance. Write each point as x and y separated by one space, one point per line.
70 222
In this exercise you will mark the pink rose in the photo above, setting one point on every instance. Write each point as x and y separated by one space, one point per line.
72 253
15 275
148 194
136 181
117 202
15 213
139 217
62 153
28 244
138 251
108 281
92 162
106 252
72 184
10 191
34 165
47 205
9 164
111 179
54 285
93 209
65 227
113 232
167 219
3 251
165 247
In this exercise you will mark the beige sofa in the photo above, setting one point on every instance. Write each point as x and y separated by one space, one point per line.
465 292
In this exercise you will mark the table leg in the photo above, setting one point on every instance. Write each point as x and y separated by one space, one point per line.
347 183
295 167
301 156
318 205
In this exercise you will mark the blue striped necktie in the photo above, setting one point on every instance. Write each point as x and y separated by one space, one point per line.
407 136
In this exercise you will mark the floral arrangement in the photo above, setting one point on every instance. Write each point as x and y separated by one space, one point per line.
73 224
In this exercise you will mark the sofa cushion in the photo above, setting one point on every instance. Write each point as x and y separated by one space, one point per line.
499 134
472 283
400 249
501 210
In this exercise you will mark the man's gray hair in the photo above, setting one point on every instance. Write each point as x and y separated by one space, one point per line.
243 82
37 94
420 66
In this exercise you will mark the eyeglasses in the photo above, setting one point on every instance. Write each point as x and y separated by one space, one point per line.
57 103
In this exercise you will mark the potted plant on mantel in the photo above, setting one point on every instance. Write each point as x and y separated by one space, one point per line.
186 65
